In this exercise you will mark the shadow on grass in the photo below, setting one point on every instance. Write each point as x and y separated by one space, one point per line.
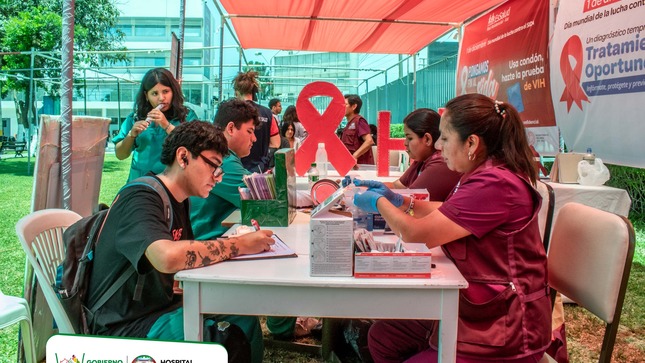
17 166
114 165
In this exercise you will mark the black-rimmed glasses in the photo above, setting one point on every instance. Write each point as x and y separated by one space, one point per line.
218 169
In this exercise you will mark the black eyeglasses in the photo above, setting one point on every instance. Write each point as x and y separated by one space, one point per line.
218 169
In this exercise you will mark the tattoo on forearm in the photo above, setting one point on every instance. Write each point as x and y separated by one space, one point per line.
205 260
234 250
191 257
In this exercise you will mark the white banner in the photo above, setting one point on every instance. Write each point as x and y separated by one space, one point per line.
94 349
598 78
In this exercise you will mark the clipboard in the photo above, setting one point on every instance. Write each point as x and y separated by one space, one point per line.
278 250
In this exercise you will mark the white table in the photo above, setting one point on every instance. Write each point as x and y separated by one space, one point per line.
605 198
283 287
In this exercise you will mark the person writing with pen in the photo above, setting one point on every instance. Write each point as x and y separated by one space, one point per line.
158 109
136 235
488 227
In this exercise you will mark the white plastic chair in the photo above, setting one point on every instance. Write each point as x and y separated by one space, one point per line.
545 215
41 236
589 261
15 310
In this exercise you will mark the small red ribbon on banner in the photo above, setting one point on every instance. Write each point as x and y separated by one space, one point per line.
573 92
322 128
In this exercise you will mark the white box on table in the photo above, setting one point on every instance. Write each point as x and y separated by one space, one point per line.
331 239
393 264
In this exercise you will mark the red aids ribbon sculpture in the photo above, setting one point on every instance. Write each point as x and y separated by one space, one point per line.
573 92
385 144
322 128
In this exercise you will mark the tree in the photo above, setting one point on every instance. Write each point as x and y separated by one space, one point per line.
266 84
38 24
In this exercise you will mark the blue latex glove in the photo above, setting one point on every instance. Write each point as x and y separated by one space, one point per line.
380 188
346 181
367 201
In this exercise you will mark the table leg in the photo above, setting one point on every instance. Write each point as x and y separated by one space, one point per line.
331 332
448 327
193 318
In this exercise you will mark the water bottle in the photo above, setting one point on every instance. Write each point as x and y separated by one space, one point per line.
321 160
360 217
312 175
590 157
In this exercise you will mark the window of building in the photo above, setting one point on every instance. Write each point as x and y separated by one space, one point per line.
149 61
126 29
190 31
150 30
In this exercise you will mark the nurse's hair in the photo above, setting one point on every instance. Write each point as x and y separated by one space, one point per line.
422 121
498 125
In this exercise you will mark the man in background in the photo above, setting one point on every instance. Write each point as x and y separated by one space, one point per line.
246 85
357 135
276 108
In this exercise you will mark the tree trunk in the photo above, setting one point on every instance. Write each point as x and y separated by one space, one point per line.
22 112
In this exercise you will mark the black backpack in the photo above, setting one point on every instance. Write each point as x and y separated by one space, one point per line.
74 272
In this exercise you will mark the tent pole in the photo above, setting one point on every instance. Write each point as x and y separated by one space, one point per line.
182 23
414 81
67 89
221 58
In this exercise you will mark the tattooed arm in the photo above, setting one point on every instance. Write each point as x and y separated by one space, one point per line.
171 256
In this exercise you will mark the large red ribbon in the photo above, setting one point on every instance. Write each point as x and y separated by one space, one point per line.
322 128
385 144
573 92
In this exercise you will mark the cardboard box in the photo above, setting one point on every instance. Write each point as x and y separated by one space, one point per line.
565 168
393 264
331 239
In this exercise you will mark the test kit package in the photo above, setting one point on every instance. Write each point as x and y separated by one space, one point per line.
393 264
381 259
330 238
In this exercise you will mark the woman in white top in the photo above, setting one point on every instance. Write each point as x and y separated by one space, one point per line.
290 114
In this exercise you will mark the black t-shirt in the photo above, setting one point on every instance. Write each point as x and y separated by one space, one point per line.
135 221
259 156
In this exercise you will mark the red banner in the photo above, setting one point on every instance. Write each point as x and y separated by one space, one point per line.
504 55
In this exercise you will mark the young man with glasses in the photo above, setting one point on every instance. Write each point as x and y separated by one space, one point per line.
136 234
237 119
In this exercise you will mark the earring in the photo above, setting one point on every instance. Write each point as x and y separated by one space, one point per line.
471 156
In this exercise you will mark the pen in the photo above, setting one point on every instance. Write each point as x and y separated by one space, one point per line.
255 224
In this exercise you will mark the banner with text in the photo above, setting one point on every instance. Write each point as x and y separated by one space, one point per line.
598 78
504 55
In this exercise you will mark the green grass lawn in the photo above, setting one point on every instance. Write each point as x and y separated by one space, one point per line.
15 202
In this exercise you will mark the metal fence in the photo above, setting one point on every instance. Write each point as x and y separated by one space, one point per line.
435 86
